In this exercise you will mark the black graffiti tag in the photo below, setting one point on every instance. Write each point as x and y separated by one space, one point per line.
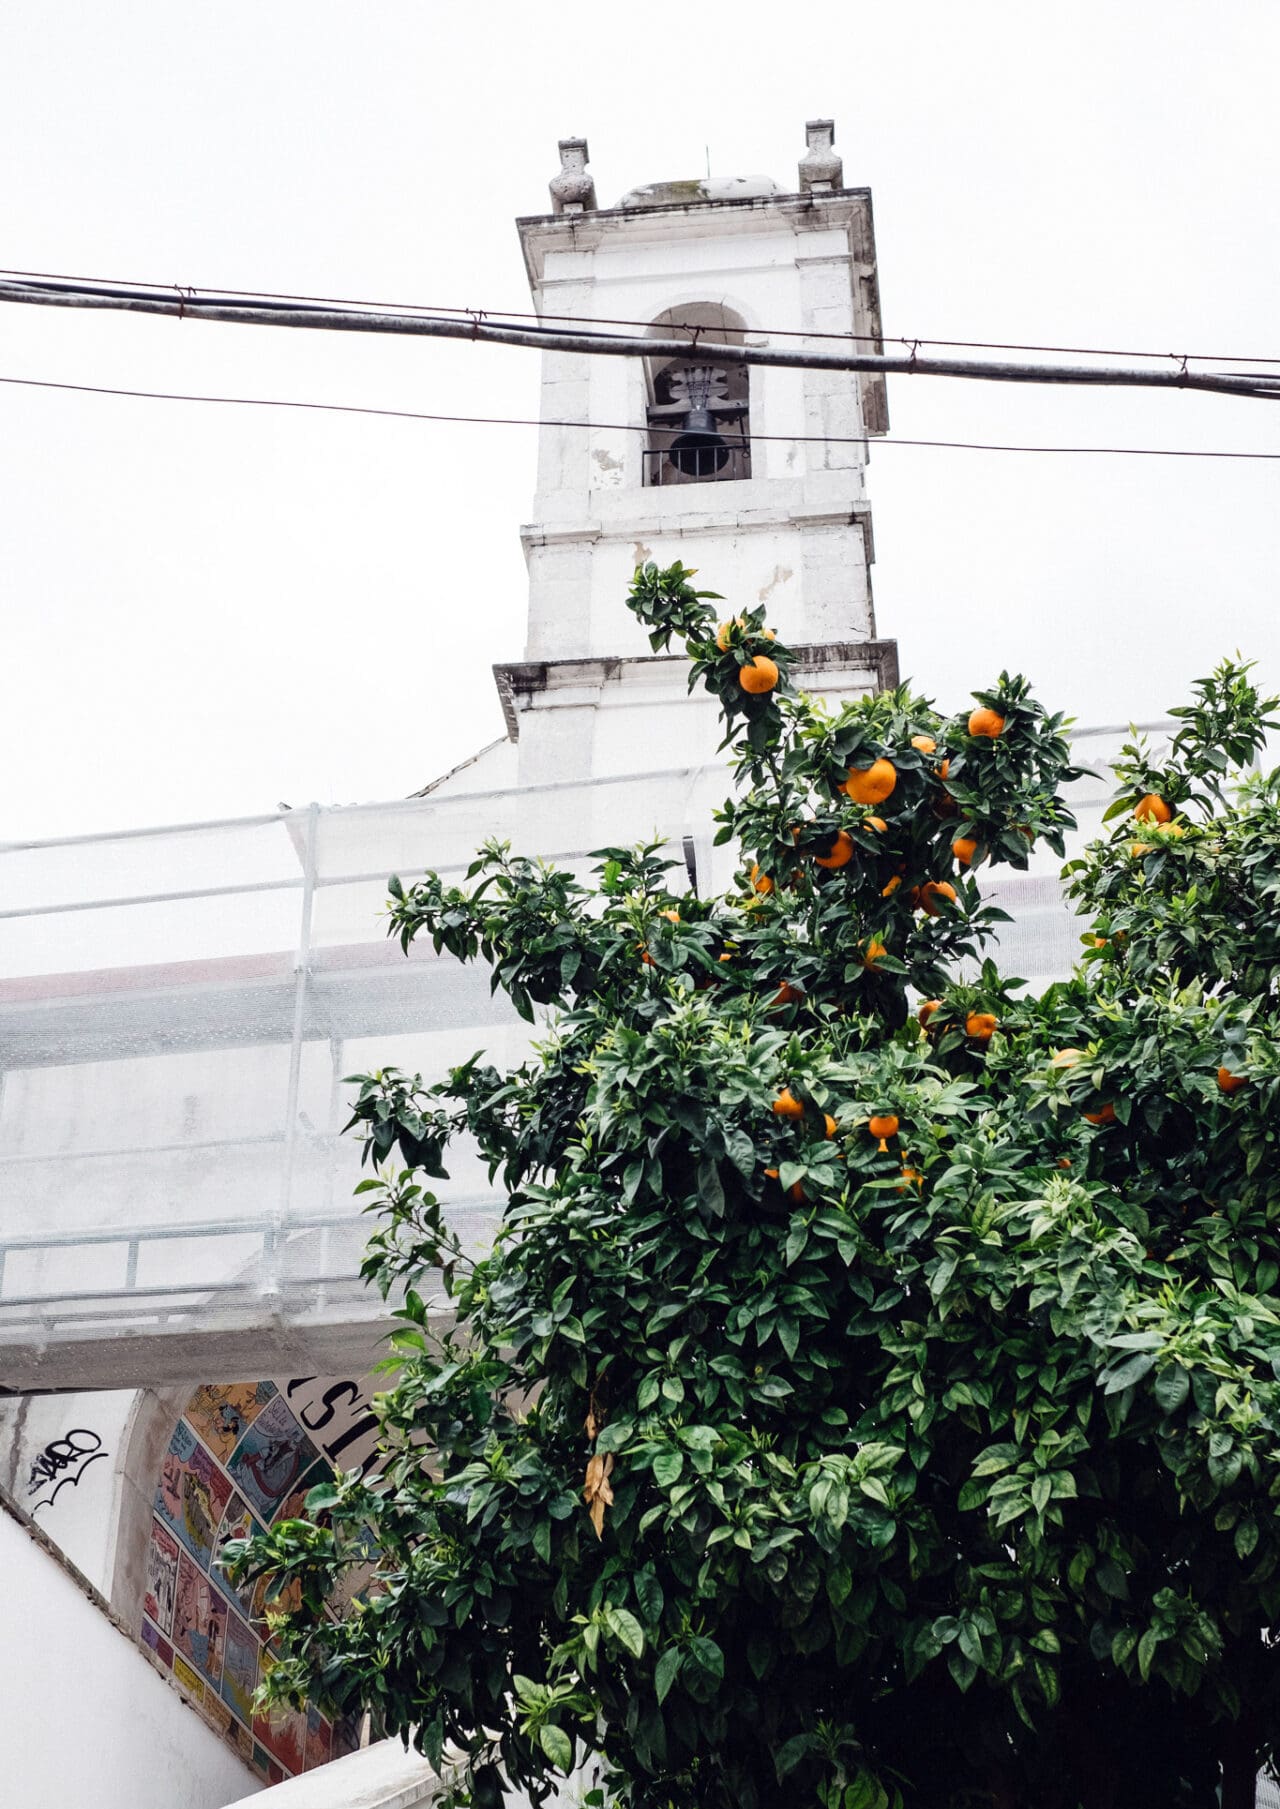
63 1460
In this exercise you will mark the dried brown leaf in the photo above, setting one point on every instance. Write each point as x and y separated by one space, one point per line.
597 1493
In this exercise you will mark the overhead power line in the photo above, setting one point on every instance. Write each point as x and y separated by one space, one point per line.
794 439
228 308
608 320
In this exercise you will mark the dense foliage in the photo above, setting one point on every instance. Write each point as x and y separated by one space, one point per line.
861 1406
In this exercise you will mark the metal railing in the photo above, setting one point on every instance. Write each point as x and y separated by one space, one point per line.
725 464
178 1009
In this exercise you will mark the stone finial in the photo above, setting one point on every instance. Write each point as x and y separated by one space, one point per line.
821 168
573 190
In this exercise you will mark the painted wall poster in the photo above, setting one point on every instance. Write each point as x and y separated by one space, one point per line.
187 1680
193 1493
199 1620
237 1523
240 1668
244 1456
271 1458
338 1415
319 1738
162 1576
353 1584
221 1412
294 1505
288 1601
283 1731
346 1734
158 1644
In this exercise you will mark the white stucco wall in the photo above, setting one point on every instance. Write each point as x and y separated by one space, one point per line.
87 1719
60 1460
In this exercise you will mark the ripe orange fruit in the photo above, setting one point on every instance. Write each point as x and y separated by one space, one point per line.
725 630
883 1125
872 950
926 1011
759 675
760 882
986 722
1064 1162
841 852
932 894
876 823
830 1123
1065 1058
671 916
1152 809
911 1177
980 1025
1229 1082
944 769
1104 1115
924 743
785 995
786 1105
871 784
1138 849
891 888
964 848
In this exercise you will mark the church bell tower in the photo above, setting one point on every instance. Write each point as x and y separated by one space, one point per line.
754 475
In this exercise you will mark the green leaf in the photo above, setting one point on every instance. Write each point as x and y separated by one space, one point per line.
710 1189
667 1468
790 1753
557 1745
626 1629
1172 1386
1129 1372
707 1656
666 1671
650 1596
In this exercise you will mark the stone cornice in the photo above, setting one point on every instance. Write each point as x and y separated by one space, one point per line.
637 527
520 681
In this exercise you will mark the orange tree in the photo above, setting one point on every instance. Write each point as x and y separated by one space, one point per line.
871 1398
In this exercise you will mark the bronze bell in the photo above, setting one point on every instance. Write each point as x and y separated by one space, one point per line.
698 450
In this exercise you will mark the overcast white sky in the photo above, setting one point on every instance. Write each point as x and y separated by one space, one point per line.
209 610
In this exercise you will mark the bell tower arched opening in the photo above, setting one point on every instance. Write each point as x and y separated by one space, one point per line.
698 410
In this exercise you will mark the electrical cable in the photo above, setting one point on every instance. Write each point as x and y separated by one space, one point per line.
791 439
185 305
603 320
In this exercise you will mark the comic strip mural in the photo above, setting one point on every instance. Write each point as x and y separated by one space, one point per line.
242 1456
